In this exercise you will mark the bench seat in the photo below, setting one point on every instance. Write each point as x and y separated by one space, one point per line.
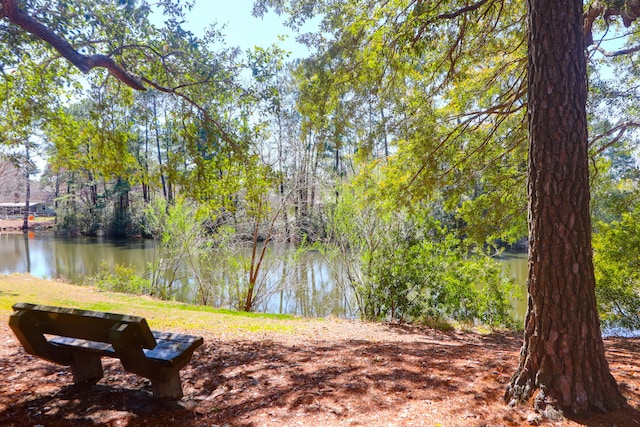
169 346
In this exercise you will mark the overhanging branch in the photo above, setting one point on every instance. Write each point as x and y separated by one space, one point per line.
462 10
85 63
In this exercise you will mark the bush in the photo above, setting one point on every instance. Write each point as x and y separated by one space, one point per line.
438 279
121 279
617 267
405 266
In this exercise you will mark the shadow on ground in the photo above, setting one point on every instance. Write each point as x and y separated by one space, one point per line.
423 378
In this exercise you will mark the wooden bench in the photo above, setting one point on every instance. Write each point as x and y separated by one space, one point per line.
79 338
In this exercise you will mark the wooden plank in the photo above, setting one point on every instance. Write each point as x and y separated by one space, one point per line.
101 348
170 346
85 324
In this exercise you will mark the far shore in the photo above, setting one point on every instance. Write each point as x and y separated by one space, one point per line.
13 225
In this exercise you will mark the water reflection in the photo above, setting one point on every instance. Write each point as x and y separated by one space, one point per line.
49 257
305 285
517 266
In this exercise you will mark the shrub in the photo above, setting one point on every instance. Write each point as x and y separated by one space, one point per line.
617 267
121 279
406 266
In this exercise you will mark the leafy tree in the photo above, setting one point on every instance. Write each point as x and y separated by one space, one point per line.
467 75
25 103
119 38
93 141
617 270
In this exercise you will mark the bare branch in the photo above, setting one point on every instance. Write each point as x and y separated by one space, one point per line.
621 129
462 11
620 52
85 63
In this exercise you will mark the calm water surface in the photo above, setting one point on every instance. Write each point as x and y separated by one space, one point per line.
307 287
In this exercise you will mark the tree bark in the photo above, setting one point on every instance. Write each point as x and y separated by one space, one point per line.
562 361
26 164
27 213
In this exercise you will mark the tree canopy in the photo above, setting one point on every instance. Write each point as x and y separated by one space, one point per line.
451 129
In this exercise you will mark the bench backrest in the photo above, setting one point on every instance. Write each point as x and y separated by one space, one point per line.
83 324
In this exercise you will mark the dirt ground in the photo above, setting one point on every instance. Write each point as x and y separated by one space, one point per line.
16 224
339 373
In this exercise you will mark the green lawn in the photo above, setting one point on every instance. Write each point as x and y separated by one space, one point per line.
161 315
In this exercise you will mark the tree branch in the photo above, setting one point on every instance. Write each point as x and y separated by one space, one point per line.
621 129
461 11
85 63
612 54
629 12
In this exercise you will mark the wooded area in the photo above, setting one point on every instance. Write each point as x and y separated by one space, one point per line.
417 141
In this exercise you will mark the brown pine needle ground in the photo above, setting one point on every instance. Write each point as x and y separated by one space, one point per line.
285 372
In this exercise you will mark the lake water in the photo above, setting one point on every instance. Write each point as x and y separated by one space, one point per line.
308 287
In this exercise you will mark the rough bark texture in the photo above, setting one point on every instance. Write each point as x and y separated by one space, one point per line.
562 361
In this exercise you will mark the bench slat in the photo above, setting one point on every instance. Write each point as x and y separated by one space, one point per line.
83 324
169 346
101 348
172 346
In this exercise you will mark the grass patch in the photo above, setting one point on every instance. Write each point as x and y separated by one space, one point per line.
160 314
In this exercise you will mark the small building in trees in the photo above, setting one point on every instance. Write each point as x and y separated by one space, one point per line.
16 210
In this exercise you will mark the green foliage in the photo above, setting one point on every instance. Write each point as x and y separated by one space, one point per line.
406 266
67 218
74 218
180 228
435 277
120 278
617 268
614 183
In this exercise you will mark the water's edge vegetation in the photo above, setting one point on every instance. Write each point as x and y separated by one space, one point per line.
160 314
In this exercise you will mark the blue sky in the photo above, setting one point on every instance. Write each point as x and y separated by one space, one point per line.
242 29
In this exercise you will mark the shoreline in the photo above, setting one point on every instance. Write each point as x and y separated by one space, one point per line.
15 225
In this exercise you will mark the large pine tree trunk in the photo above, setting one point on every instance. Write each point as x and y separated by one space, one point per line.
562 361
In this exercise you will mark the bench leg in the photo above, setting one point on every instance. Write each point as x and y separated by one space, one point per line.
86 367
168 390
